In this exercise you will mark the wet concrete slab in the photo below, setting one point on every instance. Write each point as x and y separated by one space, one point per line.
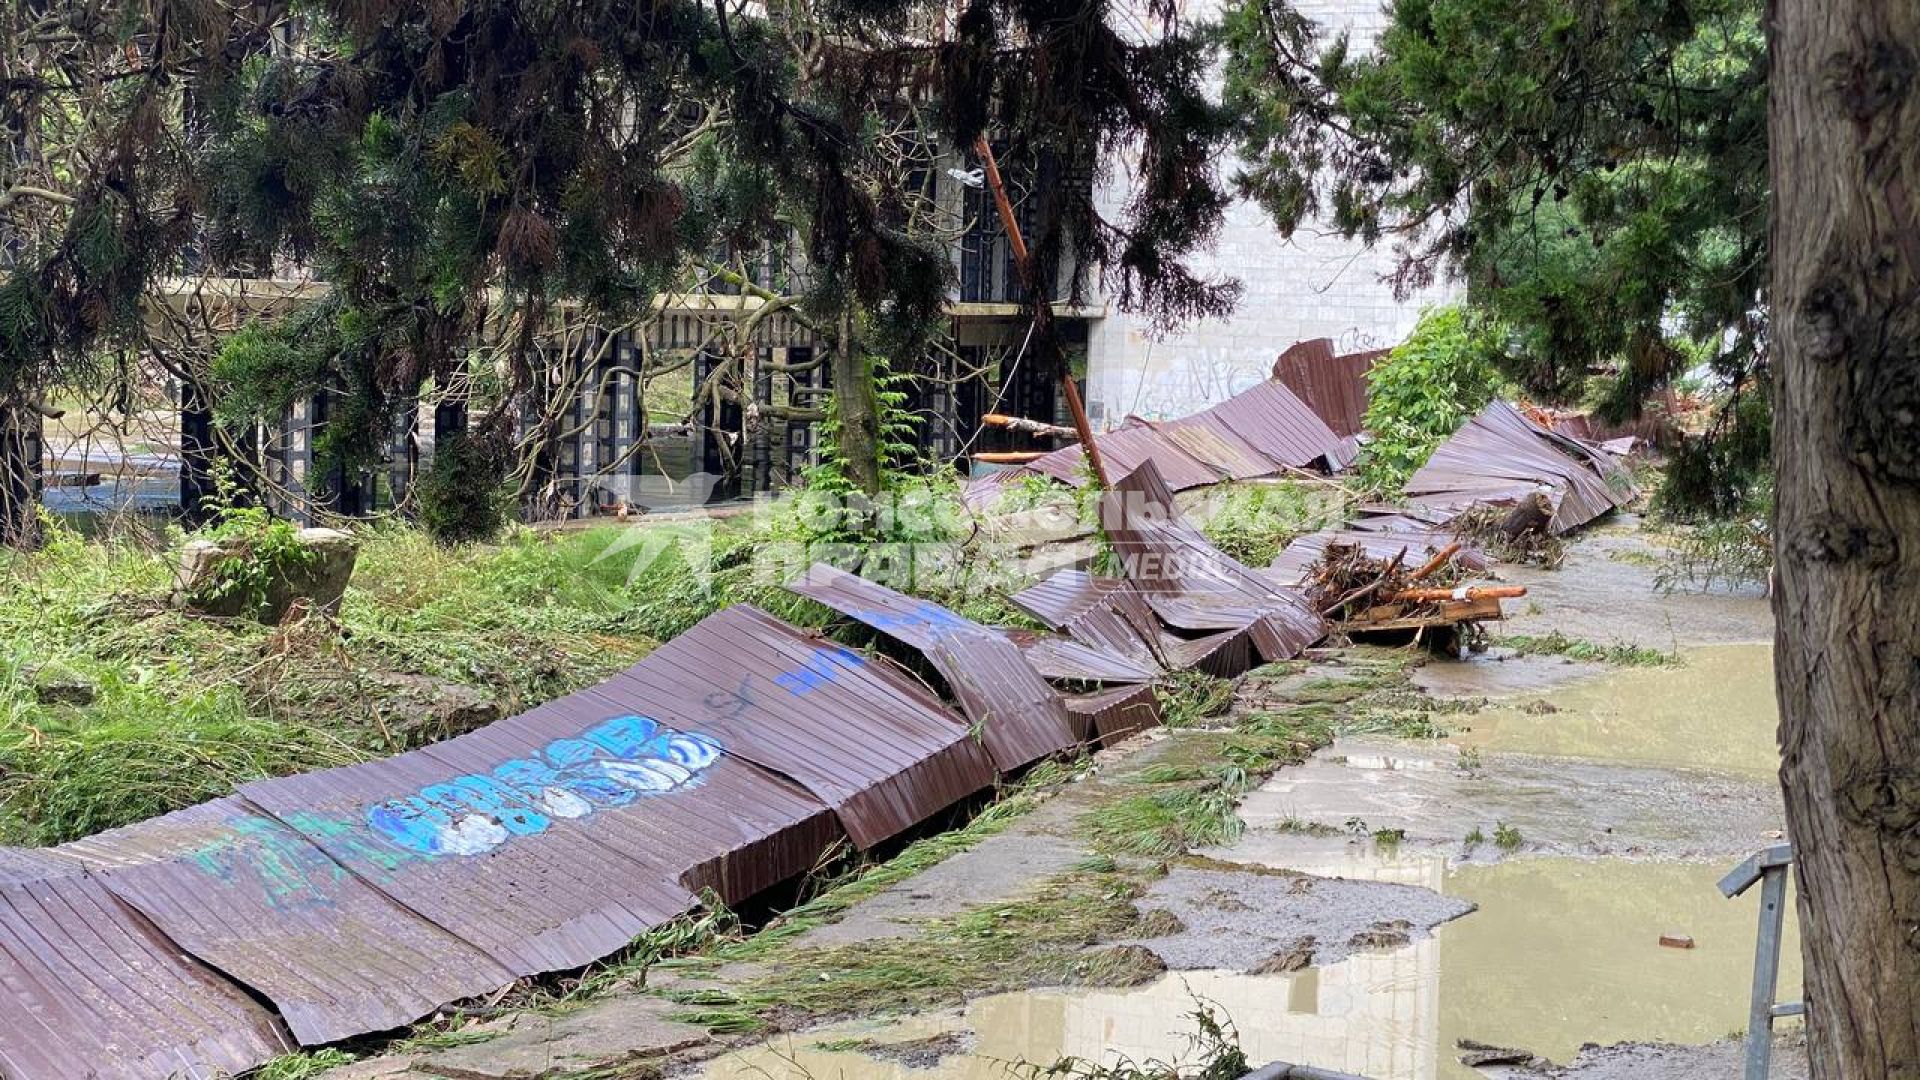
1437 799
1232 920
526 1046
1561 953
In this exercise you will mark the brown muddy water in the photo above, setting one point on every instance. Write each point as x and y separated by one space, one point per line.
1715 710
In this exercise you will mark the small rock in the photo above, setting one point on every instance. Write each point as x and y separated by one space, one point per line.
1295 957
419 709
1475 1054
1387 934
1540 707
1677 941
54 684
321 580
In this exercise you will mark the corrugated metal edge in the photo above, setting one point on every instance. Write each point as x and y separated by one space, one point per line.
1111 715
119 1001
1333 385
1019 715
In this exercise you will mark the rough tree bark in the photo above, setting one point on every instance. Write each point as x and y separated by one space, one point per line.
858 440
20 450
1845 158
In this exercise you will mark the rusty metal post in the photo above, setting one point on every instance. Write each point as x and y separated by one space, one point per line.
1041 304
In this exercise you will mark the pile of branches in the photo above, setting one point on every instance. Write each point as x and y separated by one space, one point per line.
1514 534
1347 582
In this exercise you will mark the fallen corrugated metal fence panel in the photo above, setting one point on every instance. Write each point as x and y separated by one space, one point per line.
1181 602
1334 385
239 890
1067 660
1262 431
1114 615
860 735
1500 457
92 990
1123 449
735 828
360 899
1020 716
1192 585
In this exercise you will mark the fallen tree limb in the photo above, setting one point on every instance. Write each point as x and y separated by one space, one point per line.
1030 427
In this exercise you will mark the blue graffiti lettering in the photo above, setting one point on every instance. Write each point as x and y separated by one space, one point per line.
823 667
610 764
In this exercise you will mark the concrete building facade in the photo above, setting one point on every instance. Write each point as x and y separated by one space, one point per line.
1316 284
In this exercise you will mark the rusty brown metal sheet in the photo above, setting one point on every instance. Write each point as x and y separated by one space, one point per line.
1111 715
1114 615
1065 659
91 989
858 734
717 822
1123 449
1019 715
245 894
1294 564
1499 457
1333 385
1106 614
480 847
1194 586
1216 446
1269 418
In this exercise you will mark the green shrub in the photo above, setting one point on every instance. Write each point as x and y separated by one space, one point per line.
1424 390
1253 521
460 498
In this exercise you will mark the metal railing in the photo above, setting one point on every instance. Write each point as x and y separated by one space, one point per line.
1768 868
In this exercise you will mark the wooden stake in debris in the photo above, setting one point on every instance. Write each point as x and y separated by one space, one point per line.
1041 305
1474 592
1435 563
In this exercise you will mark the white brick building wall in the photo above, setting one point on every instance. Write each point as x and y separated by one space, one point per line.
1314 285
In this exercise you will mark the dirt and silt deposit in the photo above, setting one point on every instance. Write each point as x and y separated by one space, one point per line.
1506 885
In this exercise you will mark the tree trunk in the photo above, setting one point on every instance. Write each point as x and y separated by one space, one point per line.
1845 158
20 450
858 443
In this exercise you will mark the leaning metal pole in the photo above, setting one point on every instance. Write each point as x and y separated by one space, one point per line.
1040 302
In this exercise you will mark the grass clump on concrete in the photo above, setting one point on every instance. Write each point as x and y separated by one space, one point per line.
1187 698
1618 654
1039 940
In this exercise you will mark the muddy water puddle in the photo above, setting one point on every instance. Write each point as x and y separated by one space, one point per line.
1715 710
1561 952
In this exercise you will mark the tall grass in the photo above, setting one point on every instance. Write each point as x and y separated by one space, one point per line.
184 708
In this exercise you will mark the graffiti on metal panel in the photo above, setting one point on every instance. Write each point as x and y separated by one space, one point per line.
823 667
611 764
925 615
